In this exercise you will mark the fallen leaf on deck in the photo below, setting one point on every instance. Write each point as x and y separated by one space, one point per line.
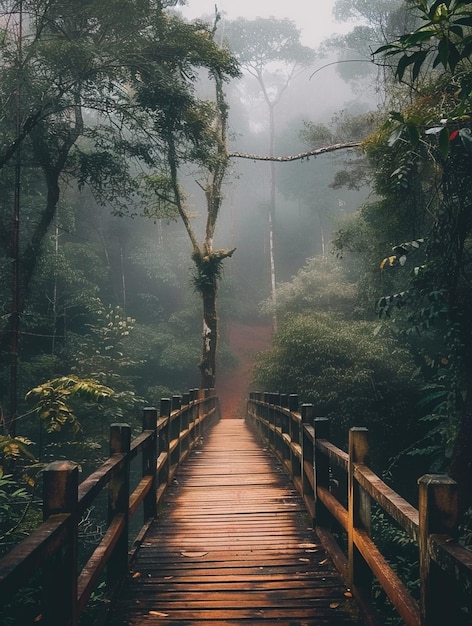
348 594
193 554
334 605
158 614
136 575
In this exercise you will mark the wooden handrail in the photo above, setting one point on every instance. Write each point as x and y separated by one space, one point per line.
165 441
444 564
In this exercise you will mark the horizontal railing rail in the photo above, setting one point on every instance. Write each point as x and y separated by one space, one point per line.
301 442
165 441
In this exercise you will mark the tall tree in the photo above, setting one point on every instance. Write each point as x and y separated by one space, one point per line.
77 121
270 51
193 131
378 21
57 59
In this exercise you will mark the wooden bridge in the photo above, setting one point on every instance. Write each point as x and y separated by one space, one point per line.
240 519
234 544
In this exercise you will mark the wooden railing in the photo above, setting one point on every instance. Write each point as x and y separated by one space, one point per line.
165 441
301 442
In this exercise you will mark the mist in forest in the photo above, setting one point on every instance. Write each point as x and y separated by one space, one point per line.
307 208
105 264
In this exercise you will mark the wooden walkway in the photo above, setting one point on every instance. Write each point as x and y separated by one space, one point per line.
233 545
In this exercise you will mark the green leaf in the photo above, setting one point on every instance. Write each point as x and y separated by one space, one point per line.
413 134
438 11
390 48
403 63
396 116
466 47
443 52
464 21
420 59
395 135
444 142
420 35
457 30
454 56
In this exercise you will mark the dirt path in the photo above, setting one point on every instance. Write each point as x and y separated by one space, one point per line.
232 386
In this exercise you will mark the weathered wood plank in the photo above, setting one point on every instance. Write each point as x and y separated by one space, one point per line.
234 545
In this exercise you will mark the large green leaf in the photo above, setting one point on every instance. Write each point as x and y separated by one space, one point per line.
444 142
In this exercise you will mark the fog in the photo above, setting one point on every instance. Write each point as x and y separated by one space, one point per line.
314 19
145 267
304 220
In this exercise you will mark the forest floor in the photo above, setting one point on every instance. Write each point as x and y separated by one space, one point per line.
232 387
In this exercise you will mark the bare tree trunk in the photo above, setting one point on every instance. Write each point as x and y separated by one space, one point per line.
209 268
207 362
208 262
273 280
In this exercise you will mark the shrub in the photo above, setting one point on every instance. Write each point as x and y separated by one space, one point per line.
351 376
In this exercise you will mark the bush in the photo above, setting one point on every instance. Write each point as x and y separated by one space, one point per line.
351 376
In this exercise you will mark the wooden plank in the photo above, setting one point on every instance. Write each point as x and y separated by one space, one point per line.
95 565
395 589
397 507
234 545
22 560
138 495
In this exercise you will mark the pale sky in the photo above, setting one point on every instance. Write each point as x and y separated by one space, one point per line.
313 17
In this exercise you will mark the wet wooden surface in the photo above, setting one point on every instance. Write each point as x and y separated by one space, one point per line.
233 545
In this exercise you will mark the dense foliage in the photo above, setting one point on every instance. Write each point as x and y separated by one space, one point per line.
408 249
434 136
350 374
101 113
95 320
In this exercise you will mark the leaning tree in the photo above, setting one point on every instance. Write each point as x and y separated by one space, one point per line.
190 130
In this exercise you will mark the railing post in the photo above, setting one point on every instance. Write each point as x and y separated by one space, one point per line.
266 417
322 470
201 411
286 422
253 412
360 575
294 431
193 415
185 422
277 421
60 489
150 461
176 427
186 415
211 393
295 434
438 513
118 504
308 456
164 441
273 420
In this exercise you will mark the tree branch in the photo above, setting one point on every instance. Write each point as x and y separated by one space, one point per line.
296 157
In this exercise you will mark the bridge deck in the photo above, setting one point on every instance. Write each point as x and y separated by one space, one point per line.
233 546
